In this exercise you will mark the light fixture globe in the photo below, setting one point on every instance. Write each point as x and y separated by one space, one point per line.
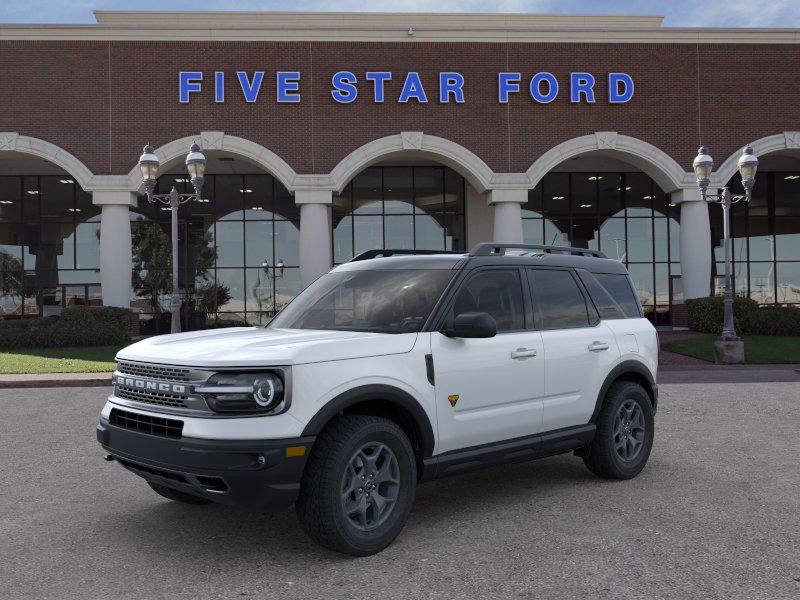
196 162
748 165
703 165
148 165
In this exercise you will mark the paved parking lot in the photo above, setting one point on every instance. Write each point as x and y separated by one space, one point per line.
716 514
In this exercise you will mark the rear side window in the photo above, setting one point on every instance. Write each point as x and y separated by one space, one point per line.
560 304
619 286
606 305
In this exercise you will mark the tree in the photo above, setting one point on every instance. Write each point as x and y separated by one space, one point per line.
12 277
152 261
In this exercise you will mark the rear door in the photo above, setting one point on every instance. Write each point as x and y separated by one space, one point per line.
579 348
489 389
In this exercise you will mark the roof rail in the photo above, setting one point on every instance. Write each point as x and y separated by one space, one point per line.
367 255
489 248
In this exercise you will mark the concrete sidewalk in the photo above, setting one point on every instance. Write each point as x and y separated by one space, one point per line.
44 380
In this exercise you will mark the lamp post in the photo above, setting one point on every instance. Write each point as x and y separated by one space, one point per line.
196 165
703 165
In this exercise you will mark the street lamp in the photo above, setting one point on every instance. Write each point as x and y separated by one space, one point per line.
703 165
196 165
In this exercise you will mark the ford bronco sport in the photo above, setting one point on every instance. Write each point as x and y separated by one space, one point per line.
395 368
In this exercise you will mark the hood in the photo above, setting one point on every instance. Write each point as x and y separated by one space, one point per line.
257 347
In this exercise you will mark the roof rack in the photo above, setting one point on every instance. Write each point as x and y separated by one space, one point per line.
489 248
369 254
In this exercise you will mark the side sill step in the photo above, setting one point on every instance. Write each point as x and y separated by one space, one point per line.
510 451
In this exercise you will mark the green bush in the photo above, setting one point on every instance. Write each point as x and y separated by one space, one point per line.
77 326
706 315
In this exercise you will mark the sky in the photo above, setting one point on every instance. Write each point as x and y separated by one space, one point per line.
678 13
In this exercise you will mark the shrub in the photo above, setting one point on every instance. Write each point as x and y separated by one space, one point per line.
706 315
77 326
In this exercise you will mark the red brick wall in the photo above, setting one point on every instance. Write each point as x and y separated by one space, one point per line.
102 101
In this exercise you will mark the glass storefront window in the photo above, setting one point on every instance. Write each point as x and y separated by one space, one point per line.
49 245
624 215
400 208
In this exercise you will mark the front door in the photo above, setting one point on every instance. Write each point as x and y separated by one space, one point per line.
489 389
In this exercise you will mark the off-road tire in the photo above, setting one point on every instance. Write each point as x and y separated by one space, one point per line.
604 458
320 506
177 496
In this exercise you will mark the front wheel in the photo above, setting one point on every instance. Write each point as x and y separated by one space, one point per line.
359 484
625 431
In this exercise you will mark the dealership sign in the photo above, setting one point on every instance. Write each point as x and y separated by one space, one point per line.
346 87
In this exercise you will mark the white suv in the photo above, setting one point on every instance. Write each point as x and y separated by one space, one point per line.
394 368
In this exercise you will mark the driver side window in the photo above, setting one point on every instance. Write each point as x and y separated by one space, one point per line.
497 292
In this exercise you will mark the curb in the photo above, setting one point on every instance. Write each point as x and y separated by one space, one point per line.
54 383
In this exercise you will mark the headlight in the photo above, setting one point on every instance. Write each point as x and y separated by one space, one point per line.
243 392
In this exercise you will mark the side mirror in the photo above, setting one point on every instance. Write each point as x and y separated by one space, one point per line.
472 325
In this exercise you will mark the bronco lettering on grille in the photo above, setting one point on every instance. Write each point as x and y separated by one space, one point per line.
144 384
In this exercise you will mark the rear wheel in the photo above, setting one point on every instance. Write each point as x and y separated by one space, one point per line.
359 484
625 432
177 496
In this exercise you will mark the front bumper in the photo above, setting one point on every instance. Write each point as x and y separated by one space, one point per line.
257 475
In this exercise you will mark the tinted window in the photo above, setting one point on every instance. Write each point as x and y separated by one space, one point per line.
497 292
391 301
559 300
619 287
606 305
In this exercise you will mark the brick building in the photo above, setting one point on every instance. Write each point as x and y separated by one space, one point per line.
330 134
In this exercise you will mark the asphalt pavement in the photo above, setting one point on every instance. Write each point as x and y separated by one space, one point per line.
716 514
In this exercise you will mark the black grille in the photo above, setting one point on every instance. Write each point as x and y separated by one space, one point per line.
154 371
171 428
151 397
145 470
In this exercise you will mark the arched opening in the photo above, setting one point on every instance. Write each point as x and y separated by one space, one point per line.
238 247
49 238
408 191
765 233
605 203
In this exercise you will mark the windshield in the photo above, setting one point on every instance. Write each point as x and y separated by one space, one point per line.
392 301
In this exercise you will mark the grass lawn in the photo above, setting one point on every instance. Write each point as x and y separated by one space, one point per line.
83 359
763 349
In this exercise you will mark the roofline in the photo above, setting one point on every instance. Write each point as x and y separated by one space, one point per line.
387 27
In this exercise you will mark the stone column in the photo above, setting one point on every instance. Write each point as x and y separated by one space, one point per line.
695 243
315 233
116 256
508 214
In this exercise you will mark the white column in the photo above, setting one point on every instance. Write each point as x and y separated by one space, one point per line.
116 256
695 243
508 214
315 233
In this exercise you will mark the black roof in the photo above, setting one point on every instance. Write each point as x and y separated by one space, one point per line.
486 255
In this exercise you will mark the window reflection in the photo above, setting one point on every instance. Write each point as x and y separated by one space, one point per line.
624 215
236 249
49 246
399 208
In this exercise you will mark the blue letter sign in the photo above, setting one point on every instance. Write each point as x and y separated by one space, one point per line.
451 83
344 89
412 88
250 90
188 81
615 80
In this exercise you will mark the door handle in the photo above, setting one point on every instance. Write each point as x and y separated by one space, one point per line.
597 346
523 353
